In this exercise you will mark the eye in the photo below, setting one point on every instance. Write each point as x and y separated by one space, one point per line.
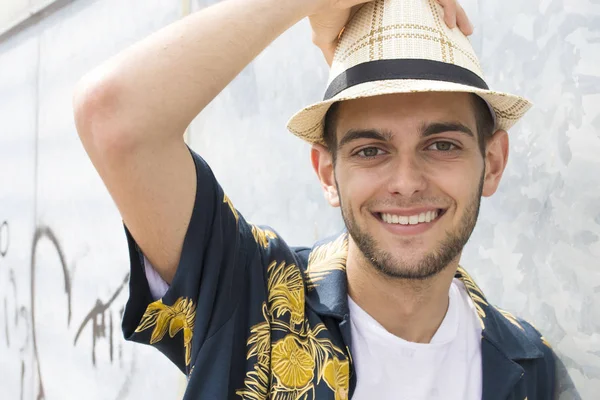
369 152
442 146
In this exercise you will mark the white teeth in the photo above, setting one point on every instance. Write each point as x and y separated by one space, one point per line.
409 220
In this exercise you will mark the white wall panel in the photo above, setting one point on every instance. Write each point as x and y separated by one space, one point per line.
535 250
81 265
18 82
537 247
12 10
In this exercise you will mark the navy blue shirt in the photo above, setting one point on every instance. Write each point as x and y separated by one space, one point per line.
248 317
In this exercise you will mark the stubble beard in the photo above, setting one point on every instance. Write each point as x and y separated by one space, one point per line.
429 265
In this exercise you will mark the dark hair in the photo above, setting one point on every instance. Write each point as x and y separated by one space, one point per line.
329 129
485 122
483 118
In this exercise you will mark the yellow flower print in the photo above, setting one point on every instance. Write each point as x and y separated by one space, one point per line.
510 318
286 291
256 383
259 342
179 316
326 258
291 363
474 292
292 394
262 236
231 207
286 370
337 376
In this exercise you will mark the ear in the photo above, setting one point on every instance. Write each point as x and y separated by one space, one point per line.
496 158
322 162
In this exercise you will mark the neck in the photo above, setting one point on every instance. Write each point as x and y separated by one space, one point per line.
410 309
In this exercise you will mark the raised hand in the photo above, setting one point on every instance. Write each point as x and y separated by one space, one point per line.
331 16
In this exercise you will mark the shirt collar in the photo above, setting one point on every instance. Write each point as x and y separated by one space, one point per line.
327 291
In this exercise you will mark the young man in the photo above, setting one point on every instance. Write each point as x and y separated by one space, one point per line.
406 141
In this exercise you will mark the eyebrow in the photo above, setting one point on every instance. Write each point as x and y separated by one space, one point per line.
355 134
441 127
386 136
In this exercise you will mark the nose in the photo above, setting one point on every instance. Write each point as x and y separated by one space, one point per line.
406 176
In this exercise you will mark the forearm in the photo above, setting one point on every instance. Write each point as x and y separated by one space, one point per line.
156 87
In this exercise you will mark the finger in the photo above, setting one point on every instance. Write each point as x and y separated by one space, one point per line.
463 22
449 12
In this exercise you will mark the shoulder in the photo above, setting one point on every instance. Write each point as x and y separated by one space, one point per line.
302 255
536 337
536 355
548 356
545 367
525 332
274 248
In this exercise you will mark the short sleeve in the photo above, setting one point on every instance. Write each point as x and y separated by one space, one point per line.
204 291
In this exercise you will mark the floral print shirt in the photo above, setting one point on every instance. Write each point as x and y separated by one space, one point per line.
248 317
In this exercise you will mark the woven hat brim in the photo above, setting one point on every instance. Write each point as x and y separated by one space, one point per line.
308 123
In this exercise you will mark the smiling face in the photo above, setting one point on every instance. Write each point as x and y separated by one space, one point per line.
409 175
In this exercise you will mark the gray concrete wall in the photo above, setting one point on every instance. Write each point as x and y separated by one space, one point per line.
63 259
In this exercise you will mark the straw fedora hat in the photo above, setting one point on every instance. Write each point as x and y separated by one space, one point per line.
403 46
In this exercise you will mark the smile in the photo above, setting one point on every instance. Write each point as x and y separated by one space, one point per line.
416 219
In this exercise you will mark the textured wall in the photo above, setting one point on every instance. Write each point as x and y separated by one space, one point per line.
537 247
11 11
63 259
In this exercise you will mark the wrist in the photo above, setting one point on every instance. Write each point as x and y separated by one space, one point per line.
310 7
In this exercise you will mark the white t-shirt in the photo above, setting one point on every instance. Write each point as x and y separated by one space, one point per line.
449 367
158 287
388 367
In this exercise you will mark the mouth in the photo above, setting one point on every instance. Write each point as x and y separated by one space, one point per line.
422 218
